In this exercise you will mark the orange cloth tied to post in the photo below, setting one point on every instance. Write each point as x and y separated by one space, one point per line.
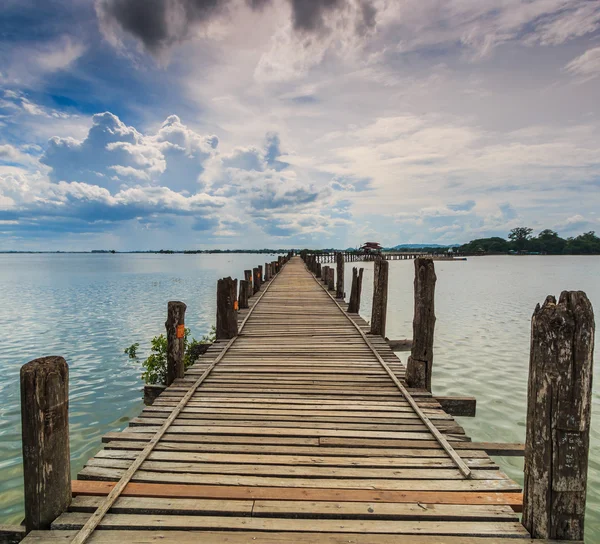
236 306
180 331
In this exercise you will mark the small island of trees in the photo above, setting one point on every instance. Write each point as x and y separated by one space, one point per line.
521 240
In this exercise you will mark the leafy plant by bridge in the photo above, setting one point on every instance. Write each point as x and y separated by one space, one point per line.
155 365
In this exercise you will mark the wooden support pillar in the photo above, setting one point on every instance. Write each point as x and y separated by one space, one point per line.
260 275
256 281
175 326
248 278
243 297
355 291
331 278
45 434
380 289
420 363
275 267
267 272
227 309
325 274
558 417
318 274
339 286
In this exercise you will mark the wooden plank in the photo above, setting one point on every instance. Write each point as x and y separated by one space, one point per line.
76 520
112 474
134 489
244 537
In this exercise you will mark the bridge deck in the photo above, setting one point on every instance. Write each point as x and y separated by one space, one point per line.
298 433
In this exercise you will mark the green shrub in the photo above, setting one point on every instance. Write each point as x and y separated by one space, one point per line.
155 365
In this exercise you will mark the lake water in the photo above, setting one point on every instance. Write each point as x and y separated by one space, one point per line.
88 308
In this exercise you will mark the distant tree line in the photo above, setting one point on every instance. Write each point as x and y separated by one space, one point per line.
521 239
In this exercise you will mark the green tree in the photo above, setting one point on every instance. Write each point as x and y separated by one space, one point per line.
519 237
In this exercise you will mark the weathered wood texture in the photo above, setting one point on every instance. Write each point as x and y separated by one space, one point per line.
255 280
420 362
331 279
11 534
400 345
355 291
267 272
227 315
243 296
175 325
45 436
558 417
339 287
294 431
380 290
248 279
151 393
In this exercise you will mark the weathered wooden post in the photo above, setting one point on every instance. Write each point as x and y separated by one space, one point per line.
248 278
318 274
420 363
243 296
380 289
558 417
45 434
260 275
355 291
175 326
267 272
325 274
255 281
227 309
339 287
331 278
274 268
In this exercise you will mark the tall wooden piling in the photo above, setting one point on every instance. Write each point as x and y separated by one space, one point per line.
318 273
248 278
175 326
380 289
255 280
267 272
260 275
325 274
45 434
331 278
339 287
243 296
420 363
227 309
558 417
274 268
355 291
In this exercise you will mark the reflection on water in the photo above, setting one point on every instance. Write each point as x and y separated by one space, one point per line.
87 308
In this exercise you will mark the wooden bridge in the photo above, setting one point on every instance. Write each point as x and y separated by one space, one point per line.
300 429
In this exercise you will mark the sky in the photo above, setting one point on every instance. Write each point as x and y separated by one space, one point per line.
195 124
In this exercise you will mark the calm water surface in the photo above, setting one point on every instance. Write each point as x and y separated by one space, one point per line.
88 308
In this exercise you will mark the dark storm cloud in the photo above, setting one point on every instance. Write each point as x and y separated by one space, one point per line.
308 15
159 24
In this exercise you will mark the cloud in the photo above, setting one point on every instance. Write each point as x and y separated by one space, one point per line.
117 154
586 65
29 61
159 24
